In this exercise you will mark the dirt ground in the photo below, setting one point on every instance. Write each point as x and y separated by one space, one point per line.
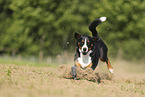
128 80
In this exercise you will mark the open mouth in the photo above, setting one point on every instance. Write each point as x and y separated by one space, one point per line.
84 52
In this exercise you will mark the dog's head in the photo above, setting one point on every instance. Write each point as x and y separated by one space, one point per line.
85 43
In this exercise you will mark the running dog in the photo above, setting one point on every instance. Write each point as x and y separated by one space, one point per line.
90 49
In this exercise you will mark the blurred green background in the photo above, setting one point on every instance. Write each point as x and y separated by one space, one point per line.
45 28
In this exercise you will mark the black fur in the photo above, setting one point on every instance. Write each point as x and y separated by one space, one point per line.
98 47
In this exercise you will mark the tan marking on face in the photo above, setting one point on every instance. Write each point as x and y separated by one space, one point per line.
90 47
79 45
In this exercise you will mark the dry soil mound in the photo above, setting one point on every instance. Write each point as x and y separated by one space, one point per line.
88 73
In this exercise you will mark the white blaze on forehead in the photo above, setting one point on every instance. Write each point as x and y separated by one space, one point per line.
85 45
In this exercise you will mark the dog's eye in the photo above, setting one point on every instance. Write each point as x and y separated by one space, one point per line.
88 41
82 42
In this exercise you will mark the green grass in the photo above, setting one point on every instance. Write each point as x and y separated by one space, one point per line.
26 62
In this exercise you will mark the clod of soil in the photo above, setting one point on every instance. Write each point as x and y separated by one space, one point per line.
87 74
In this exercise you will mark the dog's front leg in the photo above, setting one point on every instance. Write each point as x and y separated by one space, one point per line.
74 72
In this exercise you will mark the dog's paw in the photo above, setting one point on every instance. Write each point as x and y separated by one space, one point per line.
103 19
111 70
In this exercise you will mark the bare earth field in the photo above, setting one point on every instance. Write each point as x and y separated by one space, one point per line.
128 80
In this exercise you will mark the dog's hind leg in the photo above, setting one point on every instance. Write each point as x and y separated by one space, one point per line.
108 65
104 58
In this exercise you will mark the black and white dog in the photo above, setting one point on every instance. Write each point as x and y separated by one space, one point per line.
90 49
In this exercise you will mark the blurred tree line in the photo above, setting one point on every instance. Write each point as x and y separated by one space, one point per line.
46 27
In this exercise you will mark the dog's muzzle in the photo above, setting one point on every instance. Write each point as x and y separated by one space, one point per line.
84 50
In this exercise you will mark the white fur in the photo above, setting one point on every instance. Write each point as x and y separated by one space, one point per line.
85 45
111 70
103 19
84 60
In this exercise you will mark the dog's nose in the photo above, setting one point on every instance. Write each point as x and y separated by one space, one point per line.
84 49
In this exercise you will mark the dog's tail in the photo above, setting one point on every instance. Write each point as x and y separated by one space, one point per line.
94 24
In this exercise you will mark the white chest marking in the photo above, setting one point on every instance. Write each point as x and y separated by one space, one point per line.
85 60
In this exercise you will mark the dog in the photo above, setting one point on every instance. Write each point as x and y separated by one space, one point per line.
90 49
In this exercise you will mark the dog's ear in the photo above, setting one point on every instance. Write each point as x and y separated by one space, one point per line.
96 38
77 36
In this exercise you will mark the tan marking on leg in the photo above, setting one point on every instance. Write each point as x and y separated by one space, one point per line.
90 65
108 63
109 66
102 60
77 64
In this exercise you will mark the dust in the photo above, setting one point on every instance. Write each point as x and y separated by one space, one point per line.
86 74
